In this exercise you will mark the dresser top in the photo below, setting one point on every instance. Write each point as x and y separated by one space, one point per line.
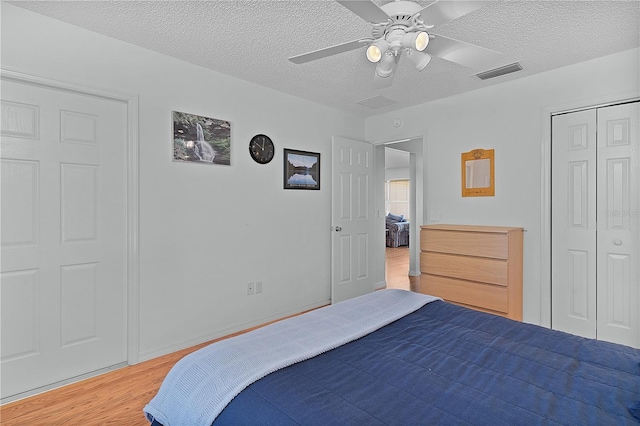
472 228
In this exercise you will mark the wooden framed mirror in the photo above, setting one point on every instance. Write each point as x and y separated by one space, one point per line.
477 173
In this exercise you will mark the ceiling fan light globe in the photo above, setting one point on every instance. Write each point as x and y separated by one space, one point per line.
374 54
419 59
386 66
383 72
422 41
417 40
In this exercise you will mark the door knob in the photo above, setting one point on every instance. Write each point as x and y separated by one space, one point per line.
338 229
617 242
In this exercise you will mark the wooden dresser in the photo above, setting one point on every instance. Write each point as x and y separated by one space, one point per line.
479 267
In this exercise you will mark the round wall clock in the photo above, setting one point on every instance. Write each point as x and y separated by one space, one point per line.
261 149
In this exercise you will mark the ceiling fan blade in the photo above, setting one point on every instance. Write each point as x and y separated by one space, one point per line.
440 12
327 51
469 55
366 9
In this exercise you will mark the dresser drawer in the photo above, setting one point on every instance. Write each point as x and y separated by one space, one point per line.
484 270
479 267
484 296
480 244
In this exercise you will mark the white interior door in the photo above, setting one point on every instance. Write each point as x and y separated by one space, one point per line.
595 230
63 294
618 230
352 218
573 222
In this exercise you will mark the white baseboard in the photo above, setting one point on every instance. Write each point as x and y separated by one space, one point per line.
61 383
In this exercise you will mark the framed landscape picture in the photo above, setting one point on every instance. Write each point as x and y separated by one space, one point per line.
198 139
301 169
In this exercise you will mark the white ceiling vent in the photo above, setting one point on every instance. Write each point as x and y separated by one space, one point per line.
376 102
497 72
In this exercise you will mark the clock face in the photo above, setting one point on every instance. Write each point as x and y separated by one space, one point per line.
261 149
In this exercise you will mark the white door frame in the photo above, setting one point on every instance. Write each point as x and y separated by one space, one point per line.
545 190
132 179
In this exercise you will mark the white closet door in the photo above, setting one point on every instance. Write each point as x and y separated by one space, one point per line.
618 229
573 223
63 236
595 223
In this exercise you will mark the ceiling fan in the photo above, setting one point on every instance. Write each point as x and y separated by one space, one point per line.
404 26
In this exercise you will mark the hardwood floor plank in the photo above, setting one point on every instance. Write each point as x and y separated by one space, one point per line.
118 397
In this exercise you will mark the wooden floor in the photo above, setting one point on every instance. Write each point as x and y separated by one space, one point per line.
397 265
118 397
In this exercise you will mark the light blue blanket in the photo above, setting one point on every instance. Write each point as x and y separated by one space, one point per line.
201 385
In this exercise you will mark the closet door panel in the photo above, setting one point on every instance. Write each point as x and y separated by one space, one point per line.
618 233
573 222
595 223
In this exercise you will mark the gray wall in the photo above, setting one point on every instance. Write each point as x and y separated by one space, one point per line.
205 231
511 118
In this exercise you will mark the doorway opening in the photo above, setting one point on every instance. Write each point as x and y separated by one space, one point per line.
402 194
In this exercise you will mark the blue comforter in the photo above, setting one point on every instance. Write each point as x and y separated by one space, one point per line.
444 364
201 384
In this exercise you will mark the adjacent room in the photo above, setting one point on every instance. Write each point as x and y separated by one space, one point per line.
365 211
397 198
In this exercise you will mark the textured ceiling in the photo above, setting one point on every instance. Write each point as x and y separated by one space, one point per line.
252 39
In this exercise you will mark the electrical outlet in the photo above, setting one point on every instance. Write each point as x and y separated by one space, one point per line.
250 289
258 287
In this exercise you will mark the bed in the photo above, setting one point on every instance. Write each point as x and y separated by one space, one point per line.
395 357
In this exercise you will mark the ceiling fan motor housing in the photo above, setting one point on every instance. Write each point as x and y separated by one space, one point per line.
401 15
394 38
403 20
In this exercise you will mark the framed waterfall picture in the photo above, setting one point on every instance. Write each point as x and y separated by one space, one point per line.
301 169
198 139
